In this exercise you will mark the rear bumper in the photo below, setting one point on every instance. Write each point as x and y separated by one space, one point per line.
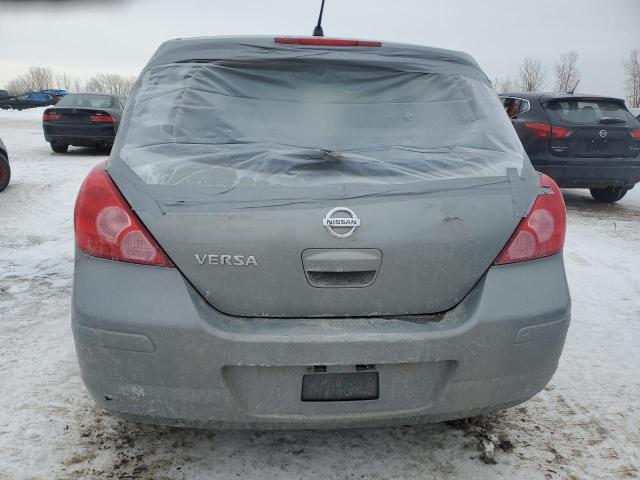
592 173
80 135
151 349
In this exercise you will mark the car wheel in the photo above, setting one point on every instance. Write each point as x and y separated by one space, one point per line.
59 147
608 194
5 172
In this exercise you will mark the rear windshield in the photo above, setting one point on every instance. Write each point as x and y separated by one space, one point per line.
311 123
588 112
86 101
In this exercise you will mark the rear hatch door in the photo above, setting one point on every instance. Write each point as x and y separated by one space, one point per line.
591 128
324 182
417 255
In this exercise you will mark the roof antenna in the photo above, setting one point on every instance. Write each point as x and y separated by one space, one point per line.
317 31
574 88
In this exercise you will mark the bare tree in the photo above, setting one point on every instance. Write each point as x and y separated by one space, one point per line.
36 78
110 83
530 75
632 78
505 85
69 82
77 85
567 74
39 78
17 86
93 85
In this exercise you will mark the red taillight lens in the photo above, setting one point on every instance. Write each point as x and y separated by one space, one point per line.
635 134
102 118
541 233
545 131
51 117
106 227
326 42
540 130
561 132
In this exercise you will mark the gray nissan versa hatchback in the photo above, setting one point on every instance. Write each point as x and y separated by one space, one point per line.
313 232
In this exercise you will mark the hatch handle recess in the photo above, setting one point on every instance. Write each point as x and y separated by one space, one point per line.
341 268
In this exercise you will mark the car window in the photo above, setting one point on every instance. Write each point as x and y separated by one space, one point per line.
511 106
525 106
587 112
86 101
299 123
23 97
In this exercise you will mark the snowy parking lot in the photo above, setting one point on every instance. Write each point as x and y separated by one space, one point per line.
585 424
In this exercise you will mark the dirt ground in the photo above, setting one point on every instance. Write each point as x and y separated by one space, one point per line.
585 424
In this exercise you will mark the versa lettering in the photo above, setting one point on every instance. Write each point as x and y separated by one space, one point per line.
229 260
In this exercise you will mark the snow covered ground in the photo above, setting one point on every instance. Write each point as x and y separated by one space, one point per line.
585 424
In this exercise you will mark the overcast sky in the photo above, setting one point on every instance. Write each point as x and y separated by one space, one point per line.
84 38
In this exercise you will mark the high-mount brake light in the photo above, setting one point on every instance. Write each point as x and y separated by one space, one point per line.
544 131
326 42
102 118
51 117
106 226
541 233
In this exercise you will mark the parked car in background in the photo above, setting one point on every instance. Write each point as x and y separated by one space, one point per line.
57 94
4 94
83 119
581 141
229 265
27 100
5 170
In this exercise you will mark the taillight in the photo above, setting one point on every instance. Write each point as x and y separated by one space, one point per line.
545 131
325 42
102 118
107 227
51 117
541 233
561 132
635 134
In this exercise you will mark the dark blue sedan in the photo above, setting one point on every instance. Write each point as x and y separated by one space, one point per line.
27 100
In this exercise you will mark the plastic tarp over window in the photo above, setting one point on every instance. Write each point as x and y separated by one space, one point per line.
304 120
